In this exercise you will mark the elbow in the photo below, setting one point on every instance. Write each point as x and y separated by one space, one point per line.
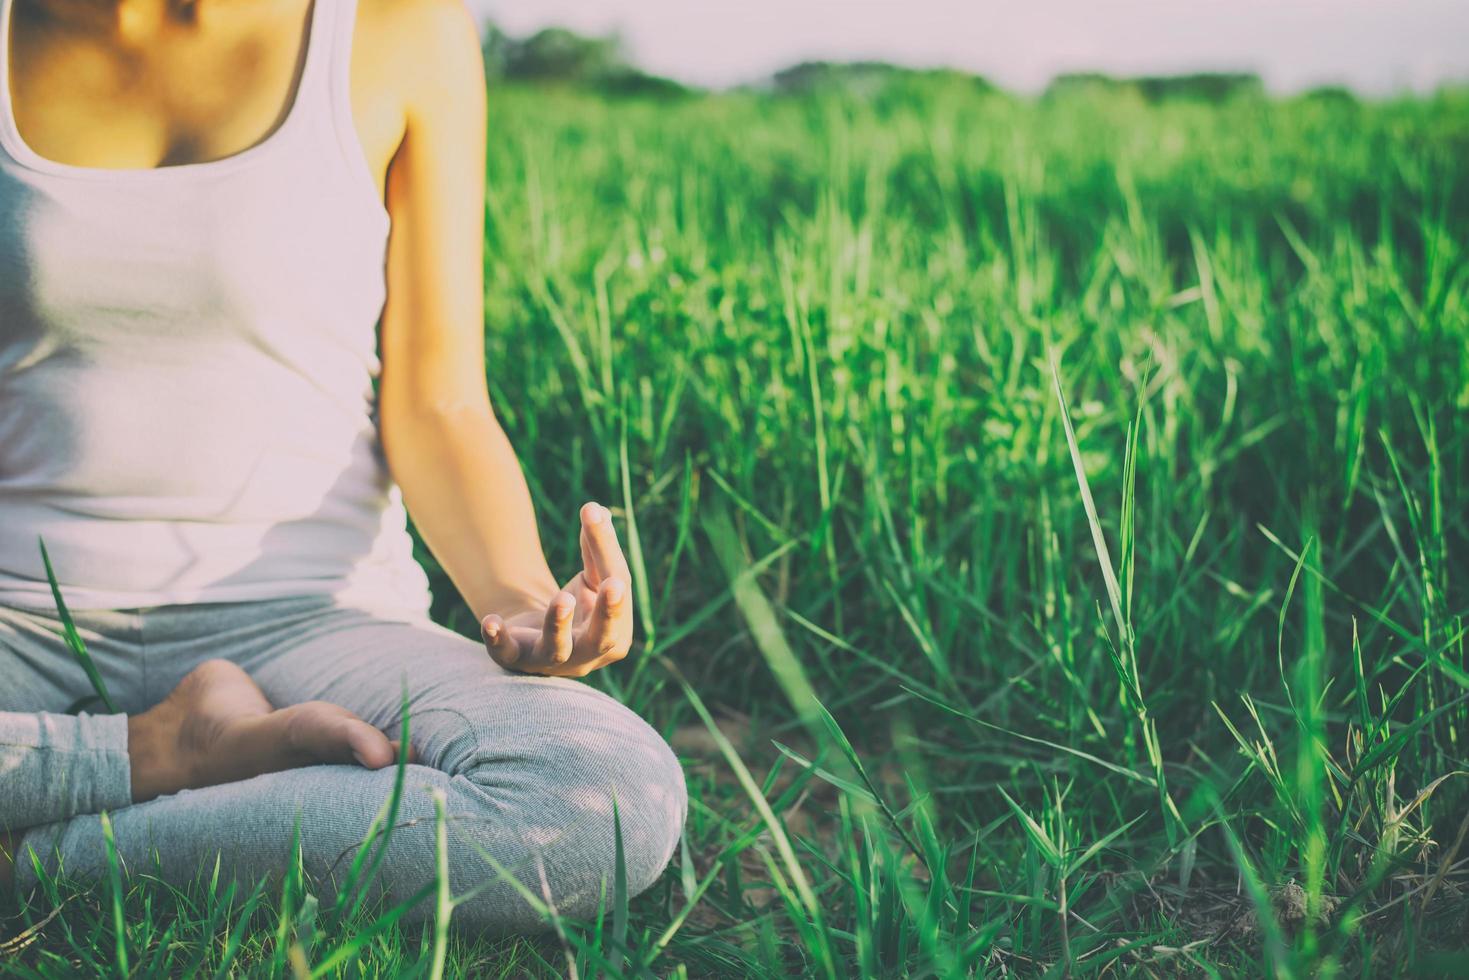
431 422
452 410
438 409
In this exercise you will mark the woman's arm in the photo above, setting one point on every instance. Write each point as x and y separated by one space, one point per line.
459 475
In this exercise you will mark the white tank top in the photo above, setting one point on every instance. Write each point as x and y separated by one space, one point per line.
187 357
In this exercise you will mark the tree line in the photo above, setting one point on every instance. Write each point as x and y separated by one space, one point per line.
557 55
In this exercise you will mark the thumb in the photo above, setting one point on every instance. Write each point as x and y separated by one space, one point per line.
499 641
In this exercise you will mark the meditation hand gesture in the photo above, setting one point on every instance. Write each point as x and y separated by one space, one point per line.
588 624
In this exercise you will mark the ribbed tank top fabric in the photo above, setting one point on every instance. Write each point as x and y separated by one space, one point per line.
187 358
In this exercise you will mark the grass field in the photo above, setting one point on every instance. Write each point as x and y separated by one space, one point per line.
1047 526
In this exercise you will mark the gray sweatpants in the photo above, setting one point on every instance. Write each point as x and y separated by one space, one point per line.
529 765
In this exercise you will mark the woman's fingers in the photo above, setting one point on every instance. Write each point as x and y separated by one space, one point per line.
606 555
590 575
572 641
553 647
608 631
503 647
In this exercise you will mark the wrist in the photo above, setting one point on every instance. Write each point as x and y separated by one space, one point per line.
518 600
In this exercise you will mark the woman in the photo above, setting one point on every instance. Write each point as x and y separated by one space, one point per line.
199 420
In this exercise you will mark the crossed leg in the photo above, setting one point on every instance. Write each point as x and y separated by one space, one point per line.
528 767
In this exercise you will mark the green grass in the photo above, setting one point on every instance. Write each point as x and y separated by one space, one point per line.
1048 512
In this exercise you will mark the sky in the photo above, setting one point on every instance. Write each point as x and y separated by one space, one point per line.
1374 46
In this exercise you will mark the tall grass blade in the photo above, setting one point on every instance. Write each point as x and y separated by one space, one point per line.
760 615
444 903
115 896
73 639
619 894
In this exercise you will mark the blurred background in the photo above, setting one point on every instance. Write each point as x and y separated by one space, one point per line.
1373 47
1038 434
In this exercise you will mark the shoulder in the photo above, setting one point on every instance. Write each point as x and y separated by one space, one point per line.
432 47
425 27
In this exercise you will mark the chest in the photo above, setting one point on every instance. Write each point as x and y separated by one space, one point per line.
163 94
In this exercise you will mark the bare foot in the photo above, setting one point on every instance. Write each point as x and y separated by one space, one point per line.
217 727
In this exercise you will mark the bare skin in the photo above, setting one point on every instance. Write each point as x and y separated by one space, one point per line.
154 83
217 727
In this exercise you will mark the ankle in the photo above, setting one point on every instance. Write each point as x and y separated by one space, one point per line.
153 754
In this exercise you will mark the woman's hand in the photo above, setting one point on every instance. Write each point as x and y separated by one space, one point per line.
588 624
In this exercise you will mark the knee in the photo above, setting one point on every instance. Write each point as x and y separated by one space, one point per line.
616 780
548 801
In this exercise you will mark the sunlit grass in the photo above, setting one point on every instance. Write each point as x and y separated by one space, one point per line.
1046 526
